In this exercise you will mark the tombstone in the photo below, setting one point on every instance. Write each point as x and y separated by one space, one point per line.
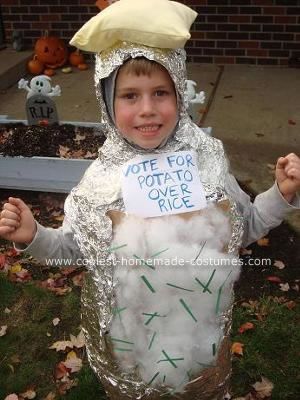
41 109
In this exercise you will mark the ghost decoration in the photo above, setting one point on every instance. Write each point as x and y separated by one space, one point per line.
193 99
191 94
40 84
40 108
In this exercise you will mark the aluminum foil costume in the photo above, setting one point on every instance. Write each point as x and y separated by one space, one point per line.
100 191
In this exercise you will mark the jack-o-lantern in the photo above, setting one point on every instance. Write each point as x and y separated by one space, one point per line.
51 51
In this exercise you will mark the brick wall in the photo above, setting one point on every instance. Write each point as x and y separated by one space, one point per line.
33 17
261 32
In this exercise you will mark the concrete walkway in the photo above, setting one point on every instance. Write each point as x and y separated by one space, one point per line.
255 111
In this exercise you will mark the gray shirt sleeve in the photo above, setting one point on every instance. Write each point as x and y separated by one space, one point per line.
58 245
265 213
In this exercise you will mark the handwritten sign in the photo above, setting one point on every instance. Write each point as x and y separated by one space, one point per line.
162 184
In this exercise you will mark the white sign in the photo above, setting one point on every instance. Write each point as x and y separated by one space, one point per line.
162 184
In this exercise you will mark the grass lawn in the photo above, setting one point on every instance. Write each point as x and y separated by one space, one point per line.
28 307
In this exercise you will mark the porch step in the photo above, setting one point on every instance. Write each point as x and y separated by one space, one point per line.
12 66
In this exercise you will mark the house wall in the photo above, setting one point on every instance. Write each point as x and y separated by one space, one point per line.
259 32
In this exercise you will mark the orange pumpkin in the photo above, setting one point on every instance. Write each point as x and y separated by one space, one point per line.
34 66
49 72
51 51
76 58
82 66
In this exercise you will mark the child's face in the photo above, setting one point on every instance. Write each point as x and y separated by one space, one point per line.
145 107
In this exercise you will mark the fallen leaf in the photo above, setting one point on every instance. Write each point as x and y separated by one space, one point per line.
79 137
61 345
15 359
271 167
279 264
263 242
245 252
2 260
16 268
88 154
237 348
3 330
77 153
60 370
12 396
50 396
63 151
290 304
73 363
78 279
78 341
295 287
68 270
29 394
59 218
55 321
66 385
246 327
263 388
285 287
291 122
274 279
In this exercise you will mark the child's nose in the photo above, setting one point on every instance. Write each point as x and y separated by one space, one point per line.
147 106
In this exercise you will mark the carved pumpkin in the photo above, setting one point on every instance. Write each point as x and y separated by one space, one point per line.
51 51
76 58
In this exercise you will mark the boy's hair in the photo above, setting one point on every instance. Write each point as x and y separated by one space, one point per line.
141 66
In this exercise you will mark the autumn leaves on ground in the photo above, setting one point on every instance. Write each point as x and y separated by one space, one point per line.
42 351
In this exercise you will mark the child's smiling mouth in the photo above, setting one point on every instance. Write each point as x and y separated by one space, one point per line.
149 130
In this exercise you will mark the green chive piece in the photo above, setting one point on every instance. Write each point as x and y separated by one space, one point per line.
118 310
152 340
188 309
179 287
218 300
152 316
150 287
170 360
205 287
214 349
200 251
114 248
154 377
144 262
120 349
160 252
121 341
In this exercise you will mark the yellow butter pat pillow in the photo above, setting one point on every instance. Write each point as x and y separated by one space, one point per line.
154 23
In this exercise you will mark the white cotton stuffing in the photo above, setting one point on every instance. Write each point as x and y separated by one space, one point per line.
181 333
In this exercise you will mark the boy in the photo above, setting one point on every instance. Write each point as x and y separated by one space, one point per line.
141 95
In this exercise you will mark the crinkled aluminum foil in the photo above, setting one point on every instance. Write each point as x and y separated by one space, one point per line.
100 191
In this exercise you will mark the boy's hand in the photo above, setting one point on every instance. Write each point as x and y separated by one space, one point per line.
17 222
288 175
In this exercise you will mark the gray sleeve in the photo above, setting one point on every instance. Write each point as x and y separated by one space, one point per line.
53 244
265 213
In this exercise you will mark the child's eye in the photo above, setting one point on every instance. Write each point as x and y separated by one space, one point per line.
161 93
129 96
